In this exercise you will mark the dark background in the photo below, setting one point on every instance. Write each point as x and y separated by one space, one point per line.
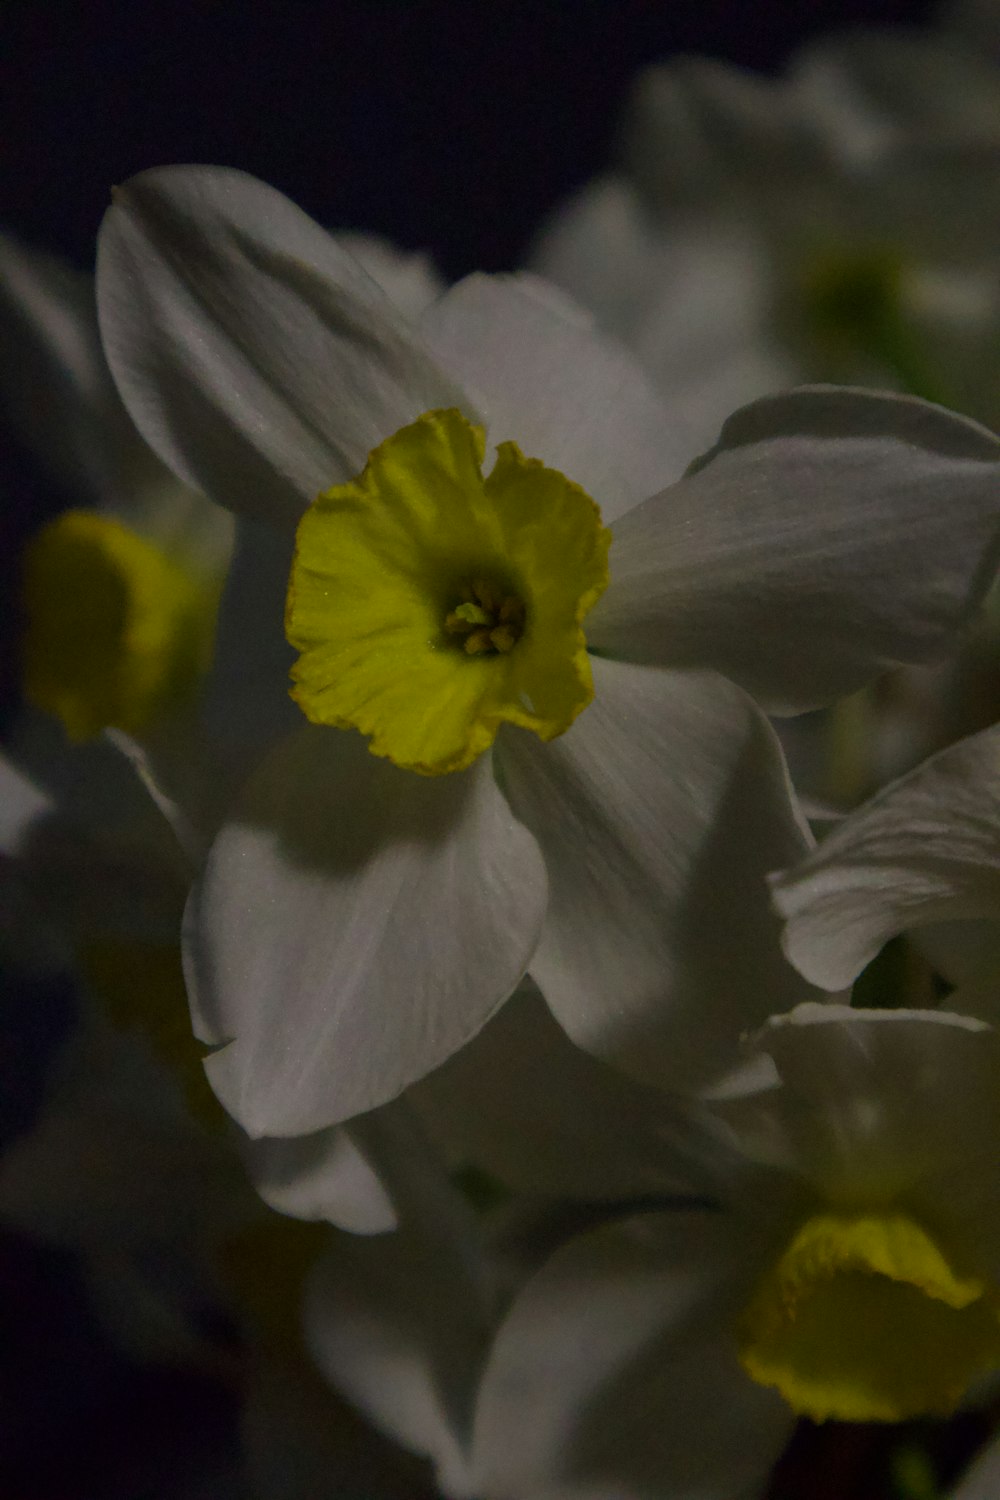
450 127
446 127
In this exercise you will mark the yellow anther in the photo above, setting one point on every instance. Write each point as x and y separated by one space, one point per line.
494 623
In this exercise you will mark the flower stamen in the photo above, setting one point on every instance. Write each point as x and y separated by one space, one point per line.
489 620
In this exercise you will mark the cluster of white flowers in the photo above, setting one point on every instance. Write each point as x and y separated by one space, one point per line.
411 690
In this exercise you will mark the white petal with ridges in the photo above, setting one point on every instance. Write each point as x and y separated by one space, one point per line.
544 377
256 357
615 1371
926 849
659 814
829 535
355 925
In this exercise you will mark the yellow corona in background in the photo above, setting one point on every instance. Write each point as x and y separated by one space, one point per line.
863 1319
431 603
116 631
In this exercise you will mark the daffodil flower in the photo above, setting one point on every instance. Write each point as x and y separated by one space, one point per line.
846 1267
358 921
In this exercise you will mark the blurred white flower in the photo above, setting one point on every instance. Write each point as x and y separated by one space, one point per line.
833 224
845 1253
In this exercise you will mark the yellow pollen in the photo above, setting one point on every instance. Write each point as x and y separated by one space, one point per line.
431 602
486 619
863 1319
116 632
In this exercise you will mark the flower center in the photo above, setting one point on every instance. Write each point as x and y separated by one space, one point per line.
116 631
863 1319
431 602
486 618
858 303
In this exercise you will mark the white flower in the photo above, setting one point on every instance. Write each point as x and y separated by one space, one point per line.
355 923
845 1263
774 231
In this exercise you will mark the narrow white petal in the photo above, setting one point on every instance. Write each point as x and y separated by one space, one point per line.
659 813
257 357
615 1371
926 849
354 926
545 378
22 803
982 1480
398 1323
56 384
829 535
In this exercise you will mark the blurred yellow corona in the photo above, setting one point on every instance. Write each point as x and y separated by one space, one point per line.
863 1319
117 633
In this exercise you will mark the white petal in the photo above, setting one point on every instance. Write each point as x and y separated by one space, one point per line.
368 1177
875 89
706 134
545 378
409 278
522 1102
659 814
323 1176
615 1372
95 854
879 1106
354 926
829 535
926 849
257 358
398 1324
56 384
690 299
245 703
982 1480
22 803
603 248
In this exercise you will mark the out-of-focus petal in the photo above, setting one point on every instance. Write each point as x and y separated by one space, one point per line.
926 849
